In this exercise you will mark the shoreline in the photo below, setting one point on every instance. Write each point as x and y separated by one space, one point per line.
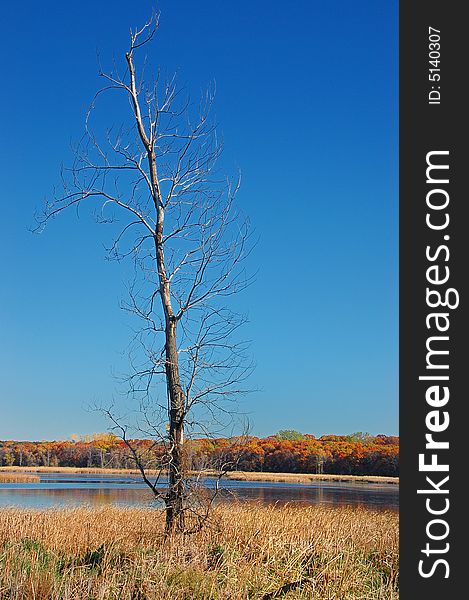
254 476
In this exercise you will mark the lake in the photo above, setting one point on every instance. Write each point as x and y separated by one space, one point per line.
68 490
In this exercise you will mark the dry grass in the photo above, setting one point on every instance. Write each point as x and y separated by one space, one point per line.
71 470
18 478
233 475
253 552
307 478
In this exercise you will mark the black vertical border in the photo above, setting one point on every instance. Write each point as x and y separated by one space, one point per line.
424 128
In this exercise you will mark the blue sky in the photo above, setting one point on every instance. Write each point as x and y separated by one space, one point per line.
307 103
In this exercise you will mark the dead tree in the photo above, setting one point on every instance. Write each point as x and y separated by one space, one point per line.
153 180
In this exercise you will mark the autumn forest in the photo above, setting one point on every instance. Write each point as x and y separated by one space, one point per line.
285 452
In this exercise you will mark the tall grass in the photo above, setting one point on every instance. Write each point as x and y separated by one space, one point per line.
250 551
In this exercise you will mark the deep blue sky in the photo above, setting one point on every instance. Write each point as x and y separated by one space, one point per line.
307 104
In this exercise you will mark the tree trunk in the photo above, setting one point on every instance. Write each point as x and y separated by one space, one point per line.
176 492
176 404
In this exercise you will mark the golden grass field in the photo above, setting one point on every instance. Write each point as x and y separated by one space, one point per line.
250 551
233 475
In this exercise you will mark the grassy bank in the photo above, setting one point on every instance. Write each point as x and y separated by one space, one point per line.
233 475
307 477
71 470
11 477
250 552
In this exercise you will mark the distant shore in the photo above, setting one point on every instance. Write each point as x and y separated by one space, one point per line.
305 478
308 477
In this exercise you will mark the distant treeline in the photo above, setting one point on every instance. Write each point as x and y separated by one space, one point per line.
285 452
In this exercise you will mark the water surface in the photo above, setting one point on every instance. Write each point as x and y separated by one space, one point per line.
67 490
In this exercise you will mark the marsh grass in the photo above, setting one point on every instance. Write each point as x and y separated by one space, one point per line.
11 477
249 552
232 475
307 477
71 470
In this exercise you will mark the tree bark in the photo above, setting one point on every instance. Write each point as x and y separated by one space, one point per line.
176 491
176 404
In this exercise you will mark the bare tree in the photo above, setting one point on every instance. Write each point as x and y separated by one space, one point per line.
154 181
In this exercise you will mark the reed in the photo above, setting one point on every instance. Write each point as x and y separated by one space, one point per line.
308 477
249 551
71 470
12 477
232 475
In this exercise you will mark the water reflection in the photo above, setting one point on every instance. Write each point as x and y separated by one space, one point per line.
337 494
69 497
66 490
